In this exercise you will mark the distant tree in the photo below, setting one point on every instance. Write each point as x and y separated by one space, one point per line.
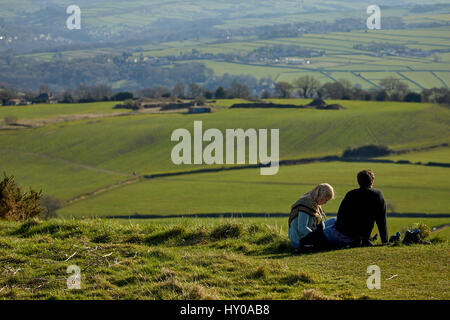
220 93
161 91
395 88
306 86
356 94
101 92
381 95
122 96
44 89
6 95
436 95
178 90
200 100
283 89
391 207
332 90
348 89
194 90
346 84
412 97
28 95
67 97
208 94
83 93
239 90
265 94
41 98
147 93
50 205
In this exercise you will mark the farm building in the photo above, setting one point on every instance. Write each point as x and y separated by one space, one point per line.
14 102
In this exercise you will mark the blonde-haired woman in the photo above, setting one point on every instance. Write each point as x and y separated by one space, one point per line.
307 219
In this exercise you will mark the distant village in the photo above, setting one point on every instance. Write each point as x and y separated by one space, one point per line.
47 98
269 55
385 49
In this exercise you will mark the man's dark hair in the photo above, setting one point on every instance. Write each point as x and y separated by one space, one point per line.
365 178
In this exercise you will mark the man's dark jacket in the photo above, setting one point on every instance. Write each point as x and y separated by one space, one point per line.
358 212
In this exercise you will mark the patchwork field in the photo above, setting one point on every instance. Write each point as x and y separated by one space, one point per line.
340 59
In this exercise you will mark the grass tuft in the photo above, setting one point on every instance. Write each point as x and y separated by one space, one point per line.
25 227
160 255
300 276
104 237
260 273
227 230
174 233
313 294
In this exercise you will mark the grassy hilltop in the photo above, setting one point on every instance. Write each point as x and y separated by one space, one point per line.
197 260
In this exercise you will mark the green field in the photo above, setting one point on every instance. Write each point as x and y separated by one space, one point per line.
45 111
112 148
93 161
441 155
407 188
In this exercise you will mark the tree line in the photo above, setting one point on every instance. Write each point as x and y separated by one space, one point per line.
245 87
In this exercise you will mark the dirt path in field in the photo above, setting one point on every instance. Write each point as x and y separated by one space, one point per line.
101 190
442 226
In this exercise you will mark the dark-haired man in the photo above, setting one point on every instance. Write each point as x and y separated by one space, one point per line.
358 212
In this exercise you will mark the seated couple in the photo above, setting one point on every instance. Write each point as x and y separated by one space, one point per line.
361 208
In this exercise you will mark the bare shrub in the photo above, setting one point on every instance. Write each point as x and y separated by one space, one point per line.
50 205
391 207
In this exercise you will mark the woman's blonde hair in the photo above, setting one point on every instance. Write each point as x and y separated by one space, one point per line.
321 192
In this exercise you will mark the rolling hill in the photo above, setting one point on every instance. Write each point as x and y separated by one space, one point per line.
98 166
